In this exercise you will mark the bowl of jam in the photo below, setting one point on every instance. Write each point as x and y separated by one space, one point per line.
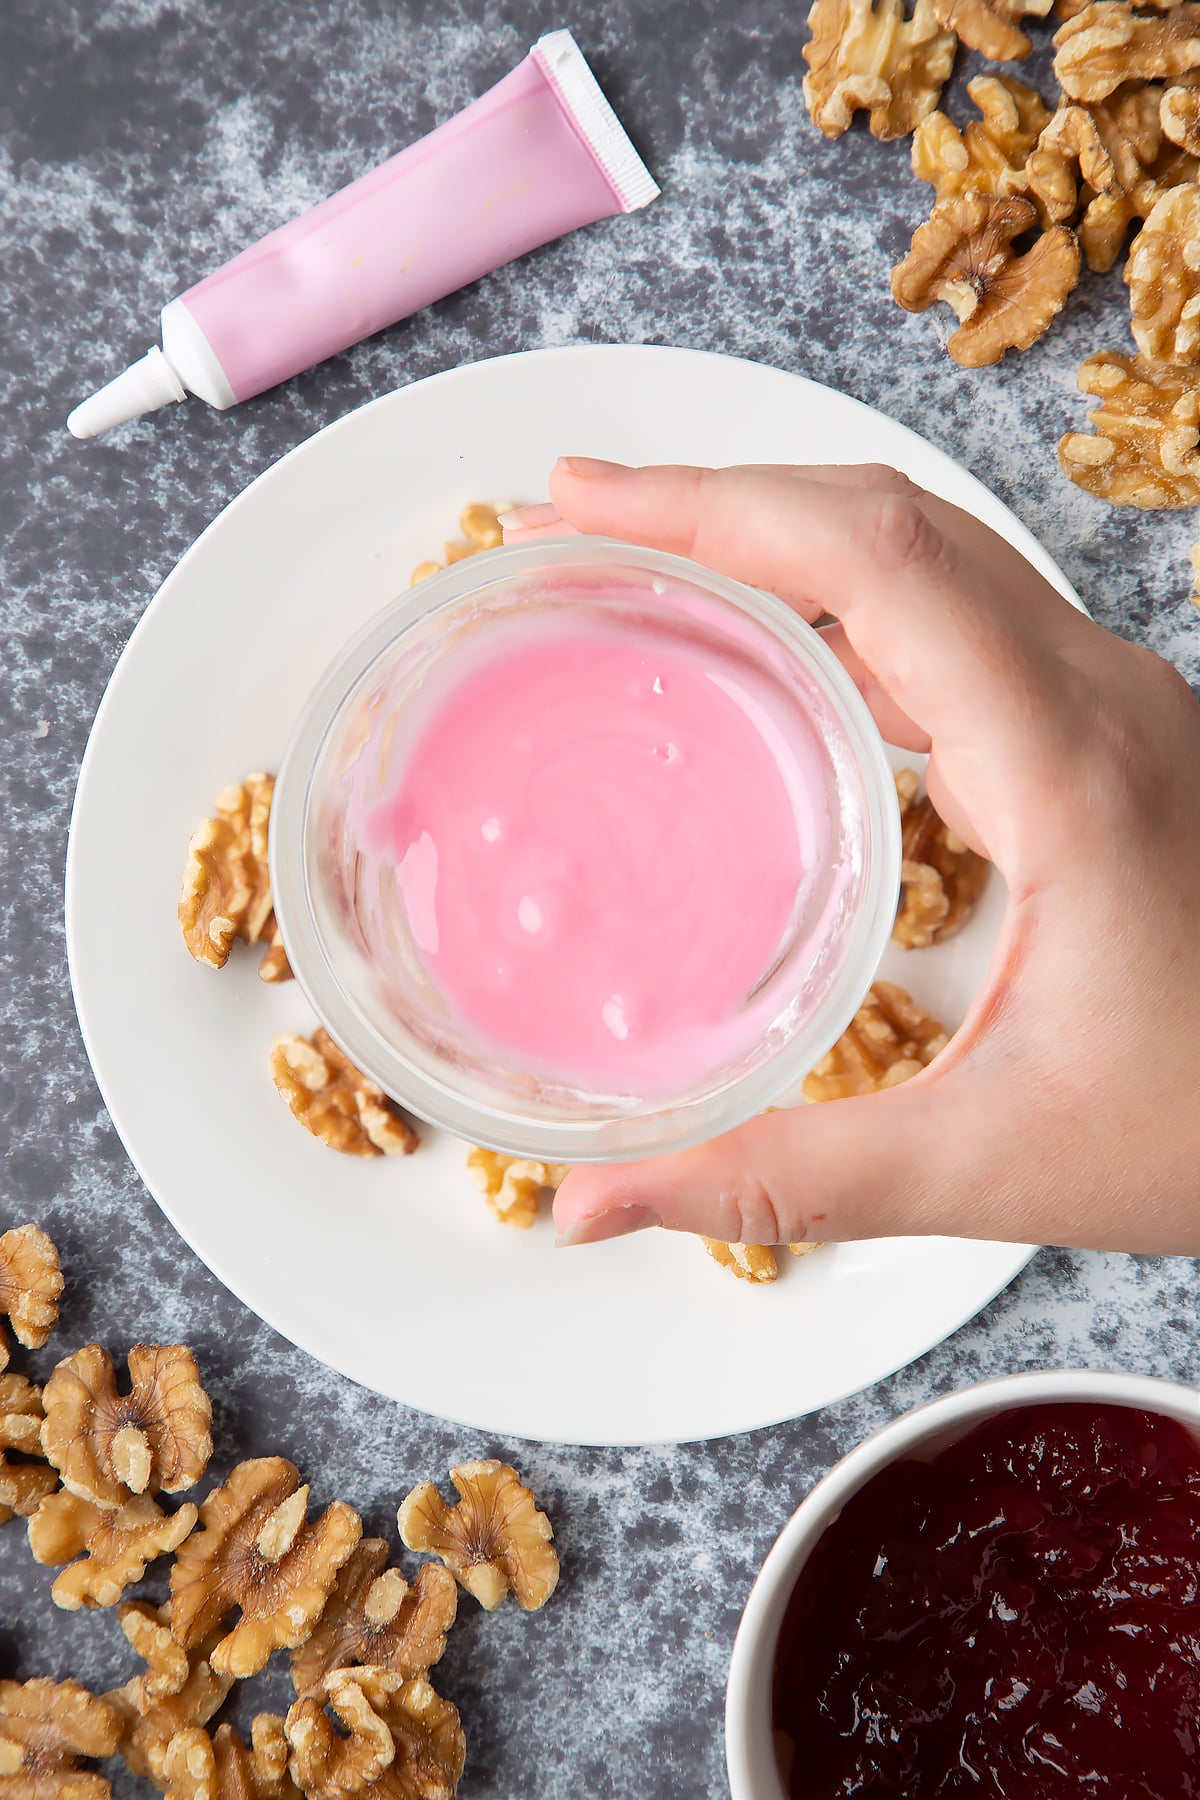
999 1594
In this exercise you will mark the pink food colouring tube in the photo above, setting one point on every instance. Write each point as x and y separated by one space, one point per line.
537 156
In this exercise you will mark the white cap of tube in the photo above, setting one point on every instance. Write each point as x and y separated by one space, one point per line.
143 387
185 365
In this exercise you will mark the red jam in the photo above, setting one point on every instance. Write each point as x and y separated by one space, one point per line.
1019 1615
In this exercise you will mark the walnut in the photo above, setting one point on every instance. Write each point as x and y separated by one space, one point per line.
495 1541
749 1262
871 56
1107 217
31 1285
373 1616
963 255
428 1749
220 1767
941 879
1179 116
481 528
337 1102
1147 427
45 1727
513 1184
1107 147
114 1548
1163 278
25 1483
889 1040
109 1446
990 155
226 890
179 1689
275 965
327 1764
1108 44
991 25
256 1552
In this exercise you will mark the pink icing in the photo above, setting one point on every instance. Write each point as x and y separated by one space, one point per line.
602 835
509 173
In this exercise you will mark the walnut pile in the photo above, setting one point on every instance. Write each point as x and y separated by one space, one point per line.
513 1185
362 1637
402 1740
495 1541
109 1446
1143 449
867 55
481 530
256 1553
941 879
45 1728
226 891
1026 190
375 1617
25 1478
31 1286
335 1101
889 1040
1003 298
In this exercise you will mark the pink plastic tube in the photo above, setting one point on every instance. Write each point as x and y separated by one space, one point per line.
538 155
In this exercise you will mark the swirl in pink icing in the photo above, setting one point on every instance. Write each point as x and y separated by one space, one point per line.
602 836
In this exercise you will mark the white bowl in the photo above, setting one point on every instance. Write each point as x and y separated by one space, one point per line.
749 1748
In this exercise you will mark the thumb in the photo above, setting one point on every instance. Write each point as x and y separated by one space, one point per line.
921 1159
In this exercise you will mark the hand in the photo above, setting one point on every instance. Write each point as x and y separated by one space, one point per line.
1067 1107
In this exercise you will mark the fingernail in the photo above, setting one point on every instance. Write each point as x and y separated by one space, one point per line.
521 518
591 468
618 1222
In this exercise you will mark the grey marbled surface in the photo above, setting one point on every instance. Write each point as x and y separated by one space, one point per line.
141 142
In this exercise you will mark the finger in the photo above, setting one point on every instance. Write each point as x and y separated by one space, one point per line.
903 1162
970 661
894 723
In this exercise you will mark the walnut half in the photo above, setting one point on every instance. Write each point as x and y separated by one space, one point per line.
1145 448
31 1285
114 1548
258 1554
1163 278
495 1541
45 1728
226 891
25 1482
178 1690
375 1617
874 57
1004 299
513 1185
941 879
404 1742
889 1040
109 1446
335 1101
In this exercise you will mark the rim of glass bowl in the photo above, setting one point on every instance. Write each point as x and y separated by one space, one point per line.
603 1136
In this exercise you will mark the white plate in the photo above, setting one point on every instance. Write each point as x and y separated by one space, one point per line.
395 1272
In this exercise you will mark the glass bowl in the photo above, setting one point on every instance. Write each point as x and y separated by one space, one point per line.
346 930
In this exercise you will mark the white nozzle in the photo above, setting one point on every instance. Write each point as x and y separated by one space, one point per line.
143 387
